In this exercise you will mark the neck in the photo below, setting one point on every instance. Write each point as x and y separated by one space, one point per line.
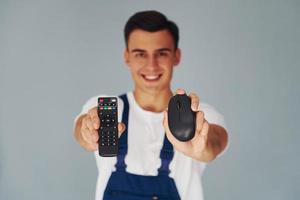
153 101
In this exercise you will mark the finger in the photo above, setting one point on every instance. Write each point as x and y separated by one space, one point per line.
86 134
180 91
92 131
199 125
121 128
93 113
200 138
194 102
93 147
199 121
88 122
95 136
91 141
205 129
165 121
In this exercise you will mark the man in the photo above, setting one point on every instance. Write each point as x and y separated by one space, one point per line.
152 166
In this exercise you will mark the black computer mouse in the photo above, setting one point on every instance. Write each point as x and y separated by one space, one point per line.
181 118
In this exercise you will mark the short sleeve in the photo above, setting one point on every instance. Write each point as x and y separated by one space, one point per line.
214 117
92 102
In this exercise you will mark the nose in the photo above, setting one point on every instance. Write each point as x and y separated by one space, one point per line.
152 62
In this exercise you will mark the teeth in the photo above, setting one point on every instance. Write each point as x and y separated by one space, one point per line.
151 77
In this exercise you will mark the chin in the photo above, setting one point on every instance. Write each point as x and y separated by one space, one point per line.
154 89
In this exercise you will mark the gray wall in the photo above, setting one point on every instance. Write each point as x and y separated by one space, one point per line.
240 56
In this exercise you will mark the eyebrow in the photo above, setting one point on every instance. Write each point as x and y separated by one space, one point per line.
137 50
142 50
165 49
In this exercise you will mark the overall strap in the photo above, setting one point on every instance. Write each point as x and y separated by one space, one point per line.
123 139
166 156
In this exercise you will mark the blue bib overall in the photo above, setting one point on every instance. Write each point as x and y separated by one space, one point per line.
126 186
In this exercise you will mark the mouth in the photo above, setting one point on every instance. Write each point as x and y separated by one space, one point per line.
151 78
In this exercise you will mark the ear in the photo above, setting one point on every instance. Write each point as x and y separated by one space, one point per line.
177 56
126 56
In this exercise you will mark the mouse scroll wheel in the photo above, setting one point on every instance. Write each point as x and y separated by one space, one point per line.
178 104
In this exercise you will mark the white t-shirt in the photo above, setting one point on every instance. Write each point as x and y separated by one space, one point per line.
145 140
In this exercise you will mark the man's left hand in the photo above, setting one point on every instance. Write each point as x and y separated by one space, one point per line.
195 147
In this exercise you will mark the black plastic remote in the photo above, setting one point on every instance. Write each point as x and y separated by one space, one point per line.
108 130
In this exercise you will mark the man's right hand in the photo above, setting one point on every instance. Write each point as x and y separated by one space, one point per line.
86 130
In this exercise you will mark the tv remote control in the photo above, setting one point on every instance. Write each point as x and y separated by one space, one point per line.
108 130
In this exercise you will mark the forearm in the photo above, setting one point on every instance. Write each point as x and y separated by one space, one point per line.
217 140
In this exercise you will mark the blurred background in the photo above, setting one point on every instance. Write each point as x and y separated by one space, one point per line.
240 56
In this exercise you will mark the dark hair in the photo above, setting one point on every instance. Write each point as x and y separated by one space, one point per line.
151 21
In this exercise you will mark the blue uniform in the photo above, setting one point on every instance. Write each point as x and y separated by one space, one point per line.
127 186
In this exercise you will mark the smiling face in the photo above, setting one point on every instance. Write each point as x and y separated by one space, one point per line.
151 57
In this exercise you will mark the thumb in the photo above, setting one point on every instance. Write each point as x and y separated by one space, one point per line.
121 128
